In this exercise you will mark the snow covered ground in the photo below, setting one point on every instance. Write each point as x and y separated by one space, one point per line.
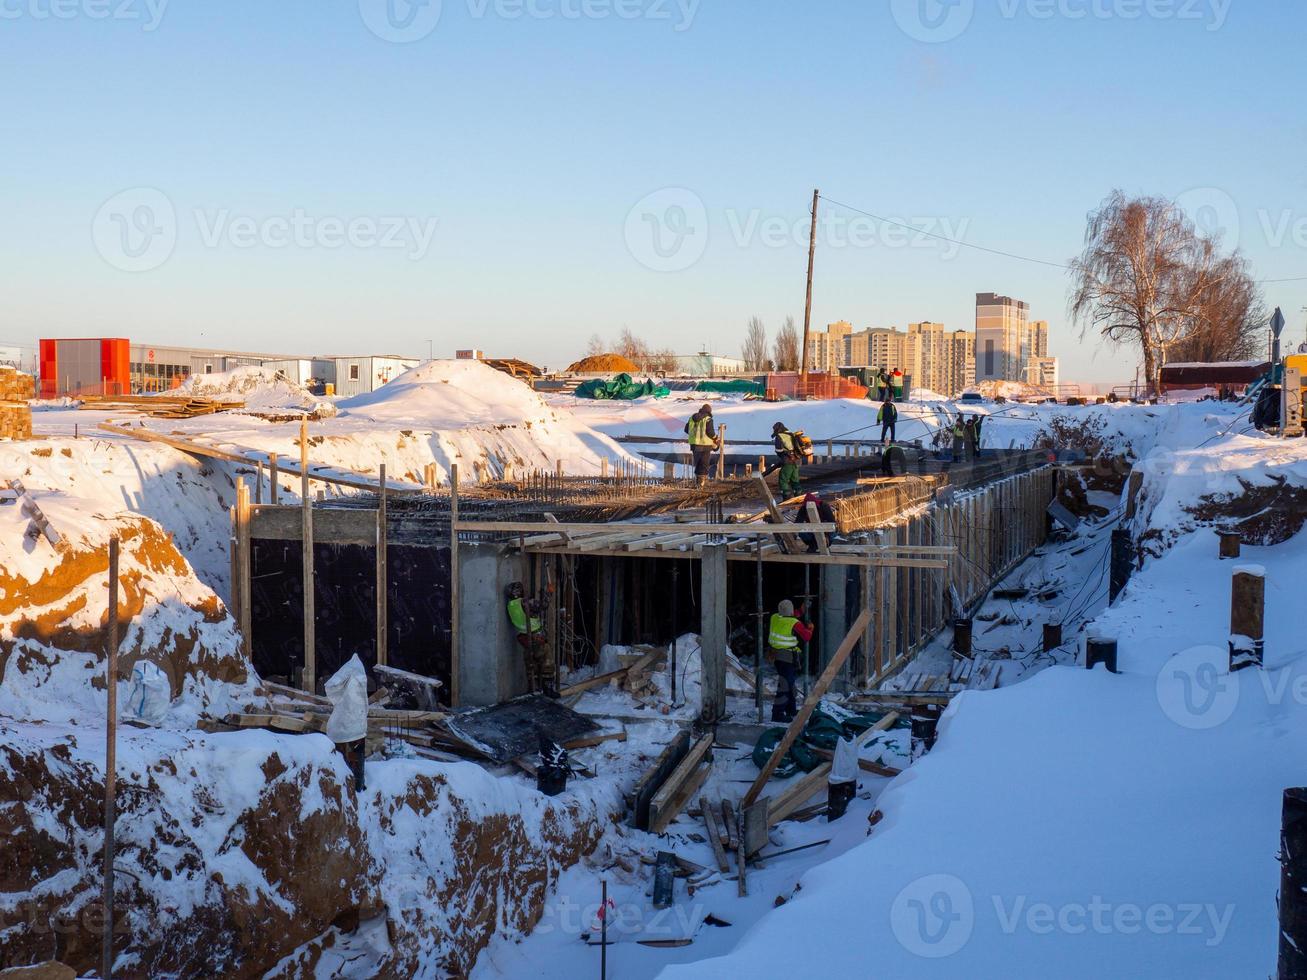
1069 824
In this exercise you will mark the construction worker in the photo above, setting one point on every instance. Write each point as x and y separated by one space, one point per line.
959 439
814 511
896 380
524 615
784 631
703 441
887 417
971 434
980 421
789 457
882 384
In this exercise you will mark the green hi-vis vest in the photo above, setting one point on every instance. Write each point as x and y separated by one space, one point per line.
787 440
780 633
959 430
699 431
517 616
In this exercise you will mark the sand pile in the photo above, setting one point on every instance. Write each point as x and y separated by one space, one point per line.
604 364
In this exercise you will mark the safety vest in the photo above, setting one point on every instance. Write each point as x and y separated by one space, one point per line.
780 634
959 430
517 616
787 440
699 431
882 417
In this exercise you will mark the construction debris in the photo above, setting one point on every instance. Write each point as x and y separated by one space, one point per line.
160 406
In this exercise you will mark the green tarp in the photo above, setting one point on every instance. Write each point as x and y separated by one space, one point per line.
828 724
621 388
739 386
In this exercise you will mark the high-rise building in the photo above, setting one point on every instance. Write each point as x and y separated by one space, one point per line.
826 349
1038 344
940 360
1042 372
1002 337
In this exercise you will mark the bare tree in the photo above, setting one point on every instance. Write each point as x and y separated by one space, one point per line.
754 351
787 347
1146 277
662 361
1230 320
596 345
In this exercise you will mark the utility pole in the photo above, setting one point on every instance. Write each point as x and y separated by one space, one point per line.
110 764
807 308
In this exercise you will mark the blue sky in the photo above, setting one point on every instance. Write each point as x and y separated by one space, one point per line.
344 177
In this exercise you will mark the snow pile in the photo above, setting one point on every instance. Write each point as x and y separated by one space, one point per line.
452 394
263 390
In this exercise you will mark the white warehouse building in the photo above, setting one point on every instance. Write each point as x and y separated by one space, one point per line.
359 375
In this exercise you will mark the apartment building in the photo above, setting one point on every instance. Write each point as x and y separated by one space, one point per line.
827 349
1002 337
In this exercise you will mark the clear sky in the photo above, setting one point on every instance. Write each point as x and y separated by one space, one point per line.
516 175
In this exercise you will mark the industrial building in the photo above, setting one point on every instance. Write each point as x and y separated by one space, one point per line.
117 366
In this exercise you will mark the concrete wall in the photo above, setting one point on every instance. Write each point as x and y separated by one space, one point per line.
491 667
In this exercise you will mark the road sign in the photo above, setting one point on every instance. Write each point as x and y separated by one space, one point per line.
1277 322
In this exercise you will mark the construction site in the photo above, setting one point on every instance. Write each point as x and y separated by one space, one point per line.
454 679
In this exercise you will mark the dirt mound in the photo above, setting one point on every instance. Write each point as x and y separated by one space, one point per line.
604 364
53 625
250 854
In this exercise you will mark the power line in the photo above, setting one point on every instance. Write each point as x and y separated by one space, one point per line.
997 251
945 238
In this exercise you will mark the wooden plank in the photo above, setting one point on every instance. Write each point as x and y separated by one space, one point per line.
382 582
613 675
634 527
815 694
654 777
243 584
714 837
798 794
814 517
671 796
455 658
306 511
593 740
752 556
787 542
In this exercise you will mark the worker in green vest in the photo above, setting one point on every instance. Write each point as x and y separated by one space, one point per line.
784 631
959 439
703 441
788 456
524 615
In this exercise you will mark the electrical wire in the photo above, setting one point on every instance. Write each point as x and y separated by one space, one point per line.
998 251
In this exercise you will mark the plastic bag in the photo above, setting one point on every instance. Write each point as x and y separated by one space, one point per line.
845 767
150 695
348 692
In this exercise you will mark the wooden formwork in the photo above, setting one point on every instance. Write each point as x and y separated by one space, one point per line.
990 530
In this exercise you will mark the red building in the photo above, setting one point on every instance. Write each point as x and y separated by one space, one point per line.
92 366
